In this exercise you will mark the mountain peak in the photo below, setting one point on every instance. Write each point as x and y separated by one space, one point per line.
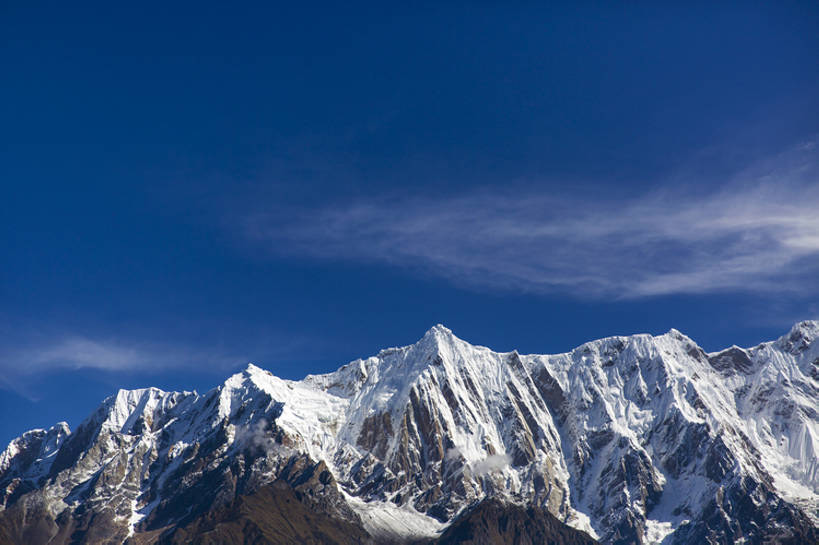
675 333
438 330
435 338
251 368
800 336
807 328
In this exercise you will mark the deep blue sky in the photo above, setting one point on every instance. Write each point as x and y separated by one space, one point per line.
188 189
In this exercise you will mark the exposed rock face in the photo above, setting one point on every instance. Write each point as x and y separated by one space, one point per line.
428 442
494 523
632 439
27 461
274 514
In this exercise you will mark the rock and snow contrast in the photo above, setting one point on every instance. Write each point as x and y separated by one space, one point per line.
637 439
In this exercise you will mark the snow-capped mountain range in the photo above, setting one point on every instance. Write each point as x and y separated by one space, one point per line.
640 439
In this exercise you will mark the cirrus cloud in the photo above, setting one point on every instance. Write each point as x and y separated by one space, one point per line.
758 232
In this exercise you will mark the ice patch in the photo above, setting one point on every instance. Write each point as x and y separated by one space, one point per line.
656 531
387 521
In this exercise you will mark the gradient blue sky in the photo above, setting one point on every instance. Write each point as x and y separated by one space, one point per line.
186 189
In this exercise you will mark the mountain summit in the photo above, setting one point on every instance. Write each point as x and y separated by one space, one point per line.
638 439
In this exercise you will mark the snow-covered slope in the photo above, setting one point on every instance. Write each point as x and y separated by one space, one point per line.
635 439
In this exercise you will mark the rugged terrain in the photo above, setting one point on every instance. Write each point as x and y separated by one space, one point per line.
636 439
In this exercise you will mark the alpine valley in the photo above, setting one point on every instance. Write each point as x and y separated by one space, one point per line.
624 440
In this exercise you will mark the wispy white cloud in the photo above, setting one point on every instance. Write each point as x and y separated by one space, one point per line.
77 352
22 364
759 231
28 350
27 358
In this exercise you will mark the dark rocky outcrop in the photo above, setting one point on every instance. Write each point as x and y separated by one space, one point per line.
494 523
276 514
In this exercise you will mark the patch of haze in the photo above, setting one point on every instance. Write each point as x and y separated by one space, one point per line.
453 453
491 464
256 435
